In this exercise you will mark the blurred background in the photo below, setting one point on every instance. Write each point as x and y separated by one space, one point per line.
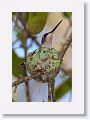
27 31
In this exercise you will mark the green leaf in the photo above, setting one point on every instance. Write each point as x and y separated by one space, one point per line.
63 89
37 21
67 14
17 69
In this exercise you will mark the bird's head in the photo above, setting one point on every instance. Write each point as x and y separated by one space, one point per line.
47 37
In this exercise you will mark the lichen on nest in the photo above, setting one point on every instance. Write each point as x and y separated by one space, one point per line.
43 63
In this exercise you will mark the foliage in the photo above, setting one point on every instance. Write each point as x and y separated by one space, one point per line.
19 35
63 88
37 21
67 14
17 69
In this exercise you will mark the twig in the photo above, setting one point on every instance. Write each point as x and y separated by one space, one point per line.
23 22
25 53
68 28
61 55
27 85
65 46
49 92
17 25
24 38
53 91
16 21
21 80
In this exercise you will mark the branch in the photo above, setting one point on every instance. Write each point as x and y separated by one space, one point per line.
21 80
65 46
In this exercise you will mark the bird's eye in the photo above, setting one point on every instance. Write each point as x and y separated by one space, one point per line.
42 40
43 37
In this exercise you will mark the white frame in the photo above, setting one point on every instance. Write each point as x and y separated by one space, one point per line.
77 104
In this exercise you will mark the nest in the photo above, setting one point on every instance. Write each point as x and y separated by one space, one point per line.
43 64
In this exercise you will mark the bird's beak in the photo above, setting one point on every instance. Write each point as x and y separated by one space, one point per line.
56 27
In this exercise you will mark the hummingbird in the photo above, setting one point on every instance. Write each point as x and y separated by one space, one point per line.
47 39
44 60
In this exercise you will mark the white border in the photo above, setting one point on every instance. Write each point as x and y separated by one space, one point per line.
77 104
